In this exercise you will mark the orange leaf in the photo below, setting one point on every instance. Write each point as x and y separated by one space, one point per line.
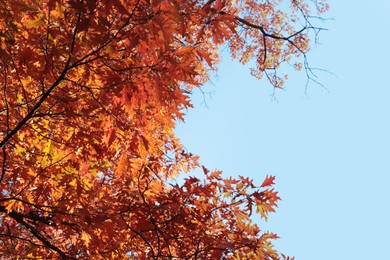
269 181
86 237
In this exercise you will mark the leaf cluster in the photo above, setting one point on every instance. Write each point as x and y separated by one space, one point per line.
90 93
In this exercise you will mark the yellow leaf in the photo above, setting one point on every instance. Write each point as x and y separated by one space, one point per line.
58 176
10 205
30 199
37 64
31 256
45 161
47 149
19 98
73 183
35 23
87 185
227 194
20 150
70 171
86 237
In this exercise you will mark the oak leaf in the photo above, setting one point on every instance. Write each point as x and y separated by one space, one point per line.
269 181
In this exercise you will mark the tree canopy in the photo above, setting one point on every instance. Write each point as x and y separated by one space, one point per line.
90 94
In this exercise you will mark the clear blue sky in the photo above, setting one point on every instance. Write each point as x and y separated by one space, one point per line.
329 149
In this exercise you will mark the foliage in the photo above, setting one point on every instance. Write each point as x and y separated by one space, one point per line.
90 92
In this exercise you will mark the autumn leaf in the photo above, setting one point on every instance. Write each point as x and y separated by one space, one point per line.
205 170
9 205
85 237
36 22
269 181
109 136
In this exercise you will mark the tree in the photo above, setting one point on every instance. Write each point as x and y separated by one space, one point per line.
90 93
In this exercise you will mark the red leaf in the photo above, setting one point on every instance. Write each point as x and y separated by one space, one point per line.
205 170
269 181
109 136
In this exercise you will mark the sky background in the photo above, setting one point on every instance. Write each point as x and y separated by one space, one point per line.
328 148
